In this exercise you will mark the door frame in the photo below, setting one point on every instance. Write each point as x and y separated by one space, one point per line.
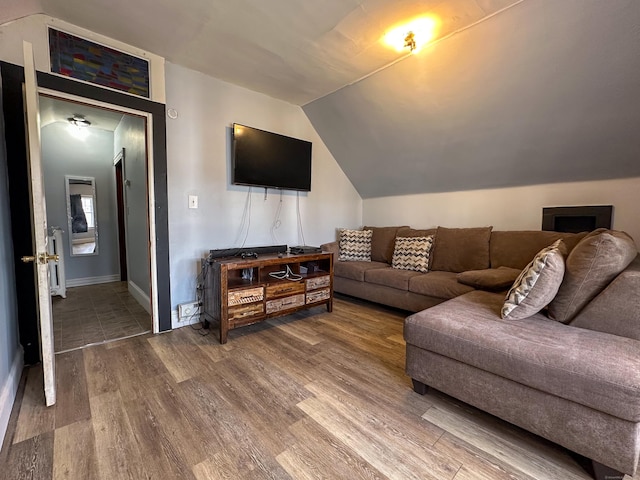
118 165
12 79
150 182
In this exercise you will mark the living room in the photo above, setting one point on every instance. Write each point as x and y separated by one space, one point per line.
348 191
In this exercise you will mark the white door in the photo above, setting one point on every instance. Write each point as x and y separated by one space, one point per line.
40 256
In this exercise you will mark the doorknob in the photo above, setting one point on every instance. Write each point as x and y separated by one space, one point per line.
42 258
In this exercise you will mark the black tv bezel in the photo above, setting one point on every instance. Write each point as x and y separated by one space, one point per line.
262 185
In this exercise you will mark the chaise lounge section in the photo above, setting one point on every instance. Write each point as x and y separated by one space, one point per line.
566 366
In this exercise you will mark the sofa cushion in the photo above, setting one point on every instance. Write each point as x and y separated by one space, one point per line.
572 363
461 249
492 279
515 249
382 243
355 270
591 266
390 277
538 283
412 232
412 253
616 310
438 285
355 245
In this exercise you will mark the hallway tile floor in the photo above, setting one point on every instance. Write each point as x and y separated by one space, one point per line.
96 313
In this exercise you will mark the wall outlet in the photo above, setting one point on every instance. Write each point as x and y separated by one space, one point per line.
188 311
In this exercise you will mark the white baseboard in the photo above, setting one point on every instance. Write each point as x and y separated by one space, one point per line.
8 393
141 297
80 282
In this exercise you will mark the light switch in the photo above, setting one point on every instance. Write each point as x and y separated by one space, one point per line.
193 201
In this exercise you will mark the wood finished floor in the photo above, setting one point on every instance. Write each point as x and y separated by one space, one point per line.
314 395
95 314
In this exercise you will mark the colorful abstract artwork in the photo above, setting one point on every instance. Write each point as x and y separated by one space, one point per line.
82 59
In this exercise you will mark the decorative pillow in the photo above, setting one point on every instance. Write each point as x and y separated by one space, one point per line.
355 245
537 284
461 249
591 266
412 253
382 242
492 279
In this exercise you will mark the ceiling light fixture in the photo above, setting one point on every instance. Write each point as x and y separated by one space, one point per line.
79 121
410 41
412 35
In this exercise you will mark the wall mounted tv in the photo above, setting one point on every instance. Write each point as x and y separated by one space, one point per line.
270 160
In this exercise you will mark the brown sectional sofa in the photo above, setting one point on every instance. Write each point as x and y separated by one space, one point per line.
455 250
575 382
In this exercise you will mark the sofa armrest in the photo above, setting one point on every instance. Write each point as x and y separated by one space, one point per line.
617 309
332 247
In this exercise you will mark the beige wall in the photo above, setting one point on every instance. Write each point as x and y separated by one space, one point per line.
517 208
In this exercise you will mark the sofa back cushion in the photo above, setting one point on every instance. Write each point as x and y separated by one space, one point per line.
461 249
599 257
412 232
382 242
515 249
616 310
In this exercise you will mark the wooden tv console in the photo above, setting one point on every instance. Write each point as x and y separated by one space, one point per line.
241 292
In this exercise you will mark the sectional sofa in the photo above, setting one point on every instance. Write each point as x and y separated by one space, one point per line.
563 363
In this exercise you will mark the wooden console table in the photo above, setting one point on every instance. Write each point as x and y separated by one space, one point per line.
241 292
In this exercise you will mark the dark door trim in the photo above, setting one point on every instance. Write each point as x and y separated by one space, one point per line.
12 79
122 237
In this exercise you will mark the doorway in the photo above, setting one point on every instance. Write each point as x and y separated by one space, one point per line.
12 77
82 196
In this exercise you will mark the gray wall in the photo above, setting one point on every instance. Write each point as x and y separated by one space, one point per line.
130 135
63 154
9 343
544 92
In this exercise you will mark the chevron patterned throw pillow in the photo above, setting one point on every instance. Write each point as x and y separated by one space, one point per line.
355 245
538 283
412 253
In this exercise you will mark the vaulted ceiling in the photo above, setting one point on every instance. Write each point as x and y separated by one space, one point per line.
511 92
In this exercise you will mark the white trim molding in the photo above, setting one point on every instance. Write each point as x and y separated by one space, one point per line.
9 391
80 282
141 297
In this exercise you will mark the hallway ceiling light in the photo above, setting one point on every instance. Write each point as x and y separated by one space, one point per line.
79 121
412 35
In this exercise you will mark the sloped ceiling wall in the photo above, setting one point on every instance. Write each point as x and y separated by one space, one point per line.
547 91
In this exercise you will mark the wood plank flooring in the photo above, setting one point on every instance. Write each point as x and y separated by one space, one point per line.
309 396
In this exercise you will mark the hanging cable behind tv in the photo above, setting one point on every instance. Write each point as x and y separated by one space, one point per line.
286 275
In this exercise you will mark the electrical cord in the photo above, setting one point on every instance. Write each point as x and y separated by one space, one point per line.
246 219
286 274
300 230
200 297
276 220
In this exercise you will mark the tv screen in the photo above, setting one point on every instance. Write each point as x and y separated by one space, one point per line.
270 160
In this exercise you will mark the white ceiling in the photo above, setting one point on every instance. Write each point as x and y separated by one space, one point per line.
517 92
295 50
55 110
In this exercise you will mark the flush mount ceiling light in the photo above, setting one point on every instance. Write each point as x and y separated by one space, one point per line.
410 41
79 121
411 36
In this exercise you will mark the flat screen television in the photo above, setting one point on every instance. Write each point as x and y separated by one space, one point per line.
270 160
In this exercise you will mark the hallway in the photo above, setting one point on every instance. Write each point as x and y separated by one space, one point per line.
96 313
